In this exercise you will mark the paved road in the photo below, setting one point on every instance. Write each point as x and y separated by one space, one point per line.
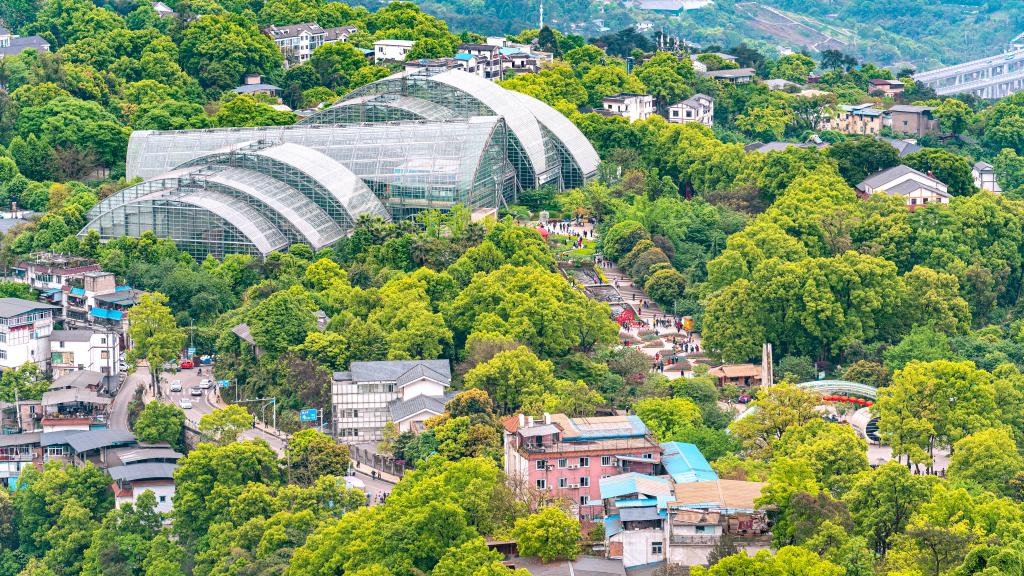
203 404
207 402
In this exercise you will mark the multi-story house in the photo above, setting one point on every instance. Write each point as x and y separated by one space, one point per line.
25 328
97 301
856 119
391 50
369 395
733 75
488 60
628 105
913 120
679 515
49 273
17 452
298 41
74 402
916 188
985 177
84 349
697 108
567 457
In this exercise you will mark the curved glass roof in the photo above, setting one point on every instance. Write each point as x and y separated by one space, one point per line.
380 108
315 226
572 138
264 235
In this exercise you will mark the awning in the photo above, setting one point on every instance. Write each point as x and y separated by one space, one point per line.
108 314
542 430
51 291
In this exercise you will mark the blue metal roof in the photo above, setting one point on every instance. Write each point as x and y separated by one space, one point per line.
652 487
109 314
463 56
685 463
636 503
612 525
120 288
78 291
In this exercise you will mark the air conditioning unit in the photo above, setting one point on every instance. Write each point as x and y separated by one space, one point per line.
573 467
574 485
550 467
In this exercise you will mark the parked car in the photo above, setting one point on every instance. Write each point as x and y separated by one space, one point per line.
206 383
185 404
195 391
744 398
205 360
186 364
175 385
122 366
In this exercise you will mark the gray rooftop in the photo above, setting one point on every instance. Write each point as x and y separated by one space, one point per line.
77 335
243 332
147 471
639 514
420 371
250 88
22 43
391 370
402 409
78 379
911 109
733 73
11 307
982 166
582 566
879 179
85 440
910 186
903 147
24 439
133 454
73 396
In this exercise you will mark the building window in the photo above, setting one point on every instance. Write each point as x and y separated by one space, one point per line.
700 529
563 462
584 500
3 354
656 548
54 450
350 413
163 499
542 464
563 482
584 462
584 481
606 460
648 456
542 484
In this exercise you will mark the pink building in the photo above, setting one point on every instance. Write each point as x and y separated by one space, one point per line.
567 457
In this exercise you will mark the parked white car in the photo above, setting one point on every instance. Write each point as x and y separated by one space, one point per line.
185 404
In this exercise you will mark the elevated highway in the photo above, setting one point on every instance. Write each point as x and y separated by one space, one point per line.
992 77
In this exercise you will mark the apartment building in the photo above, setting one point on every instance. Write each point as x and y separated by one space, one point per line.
566 457
298 41
487 59
25 328
628 105
697 108
371 394
885 88
856 119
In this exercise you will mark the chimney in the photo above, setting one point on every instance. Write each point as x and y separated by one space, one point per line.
522 421
529 421
547 418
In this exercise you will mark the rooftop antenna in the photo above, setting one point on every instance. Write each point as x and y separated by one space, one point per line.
541 15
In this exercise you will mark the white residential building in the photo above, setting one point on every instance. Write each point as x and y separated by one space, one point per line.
371 394
631 106
84 349
25 328
985 177
298 41
488 61
162 10
391 50
97 301
697 108
49 273
915 188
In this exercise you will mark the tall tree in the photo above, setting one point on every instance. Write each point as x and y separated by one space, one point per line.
155 335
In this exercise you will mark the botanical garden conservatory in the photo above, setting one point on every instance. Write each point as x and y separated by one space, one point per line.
413 141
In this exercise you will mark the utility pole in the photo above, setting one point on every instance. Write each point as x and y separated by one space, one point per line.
17 408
